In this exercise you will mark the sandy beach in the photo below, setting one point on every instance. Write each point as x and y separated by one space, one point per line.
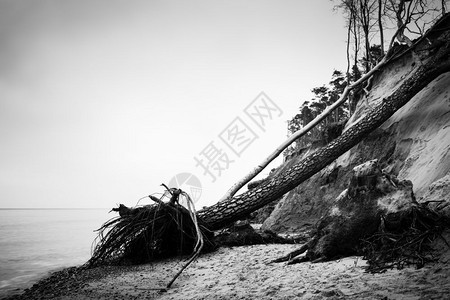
245 273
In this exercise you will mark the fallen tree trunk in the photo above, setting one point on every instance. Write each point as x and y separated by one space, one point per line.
231 209
390 56
163 229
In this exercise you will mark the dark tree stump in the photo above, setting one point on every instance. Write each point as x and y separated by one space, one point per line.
372 199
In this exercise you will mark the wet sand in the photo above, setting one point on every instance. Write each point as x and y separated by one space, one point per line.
245 273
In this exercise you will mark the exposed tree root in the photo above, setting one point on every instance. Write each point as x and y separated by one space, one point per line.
377 217
290 258
396 246
245 235
397 243
146 233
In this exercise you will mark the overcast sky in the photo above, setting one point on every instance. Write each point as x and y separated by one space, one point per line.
102 101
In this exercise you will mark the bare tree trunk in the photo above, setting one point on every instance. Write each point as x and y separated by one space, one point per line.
349 31
356 36
365 20
231 209
347 73
380 25
401 24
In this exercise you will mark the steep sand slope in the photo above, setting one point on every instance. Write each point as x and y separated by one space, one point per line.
414 144
423 126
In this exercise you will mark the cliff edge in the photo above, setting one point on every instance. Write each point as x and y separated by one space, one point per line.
414 144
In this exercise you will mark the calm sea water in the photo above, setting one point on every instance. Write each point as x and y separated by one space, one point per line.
34 242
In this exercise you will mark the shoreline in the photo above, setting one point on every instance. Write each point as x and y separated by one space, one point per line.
244 273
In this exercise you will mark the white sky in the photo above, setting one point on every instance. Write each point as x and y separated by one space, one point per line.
102 101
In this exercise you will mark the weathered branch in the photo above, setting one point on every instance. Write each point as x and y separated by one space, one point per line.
298 134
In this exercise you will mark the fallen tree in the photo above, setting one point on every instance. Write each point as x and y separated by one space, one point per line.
433 62
391 55
155 231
